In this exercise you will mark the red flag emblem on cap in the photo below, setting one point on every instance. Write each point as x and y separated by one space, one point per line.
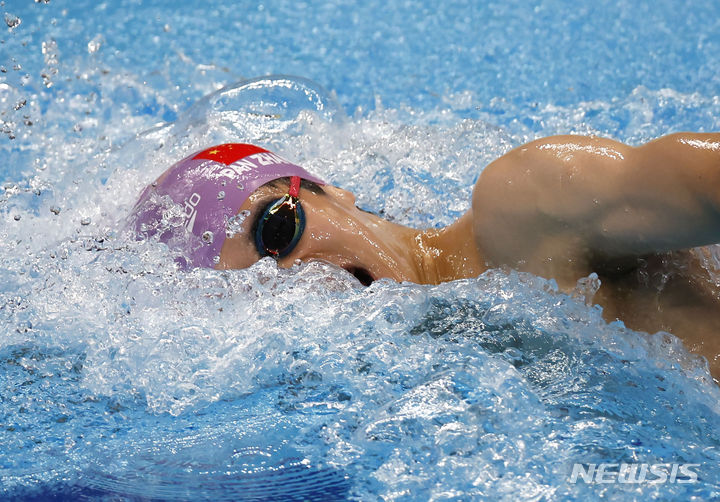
229 152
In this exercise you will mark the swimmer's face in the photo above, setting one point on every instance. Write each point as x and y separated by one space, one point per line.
336 231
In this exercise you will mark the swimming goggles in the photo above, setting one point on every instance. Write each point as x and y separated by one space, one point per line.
281 225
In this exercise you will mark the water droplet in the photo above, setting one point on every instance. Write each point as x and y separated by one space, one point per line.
241 186
233 226
24 327
12 20
85 221
207 237
216 259
221 195
16 217
55 210
94 45
20 104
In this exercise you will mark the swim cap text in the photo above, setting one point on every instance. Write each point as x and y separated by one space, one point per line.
243 166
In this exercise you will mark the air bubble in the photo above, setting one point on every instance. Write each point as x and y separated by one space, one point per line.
207 237
55 210
16 217
221 195
85 221
241 186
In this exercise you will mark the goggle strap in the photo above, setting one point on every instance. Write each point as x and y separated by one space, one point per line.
294 186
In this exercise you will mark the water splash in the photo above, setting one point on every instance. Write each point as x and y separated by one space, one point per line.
384 385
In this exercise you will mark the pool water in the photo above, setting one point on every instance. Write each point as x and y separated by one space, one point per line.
122 378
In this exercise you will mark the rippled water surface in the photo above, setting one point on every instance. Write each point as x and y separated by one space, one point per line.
122 378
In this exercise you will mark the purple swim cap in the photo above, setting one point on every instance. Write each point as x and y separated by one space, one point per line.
205 190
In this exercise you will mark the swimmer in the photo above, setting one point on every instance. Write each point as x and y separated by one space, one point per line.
561 207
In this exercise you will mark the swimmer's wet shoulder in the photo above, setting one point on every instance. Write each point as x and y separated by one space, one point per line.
568 205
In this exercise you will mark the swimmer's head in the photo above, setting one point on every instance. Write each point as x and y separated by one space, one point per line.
230 205
194 205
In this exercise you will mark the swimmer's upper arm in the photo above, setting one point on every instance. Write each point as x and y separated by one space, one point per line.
566 201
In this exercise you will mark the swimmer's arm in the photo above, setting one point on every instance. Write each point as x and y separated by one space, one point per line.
569 201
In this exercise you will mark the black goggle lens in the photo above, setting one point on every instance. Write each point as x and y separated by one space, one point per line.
280 227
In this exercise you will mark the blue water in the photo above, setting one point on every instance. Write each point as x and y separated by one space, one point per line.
122 378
